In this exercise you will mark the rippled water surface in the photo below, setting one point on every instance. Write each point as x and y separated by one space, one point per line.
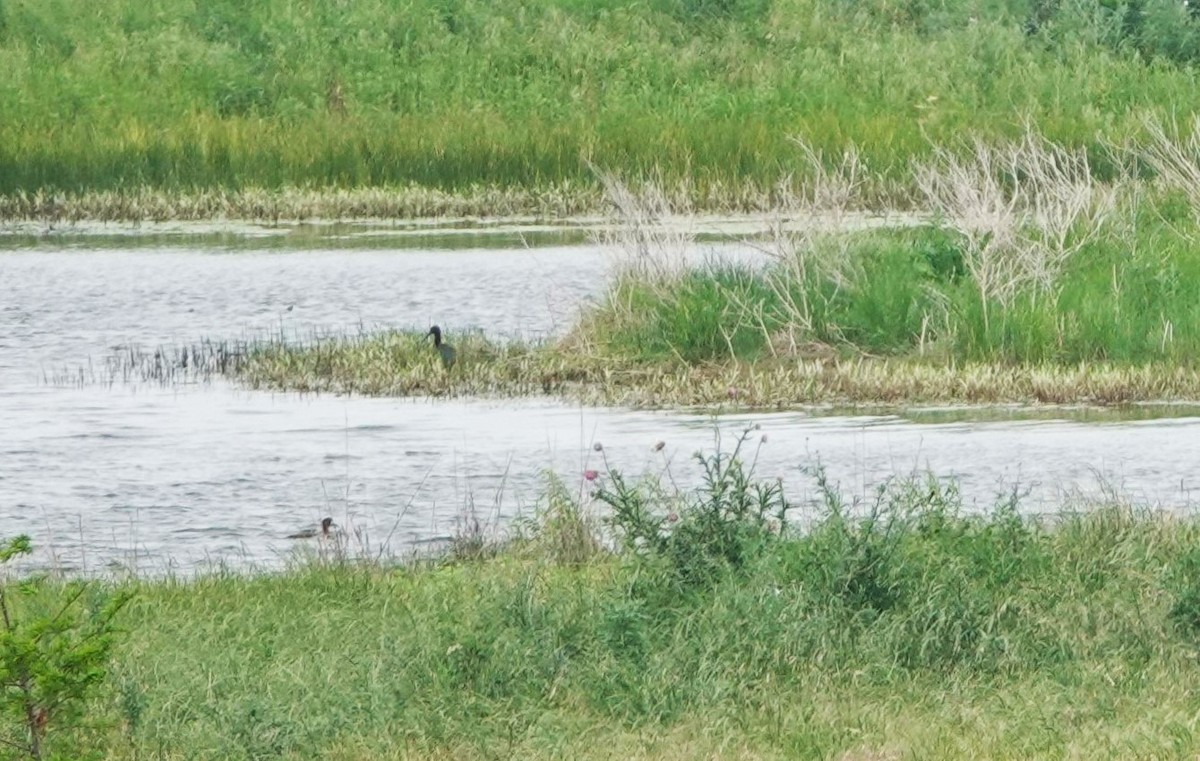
150 477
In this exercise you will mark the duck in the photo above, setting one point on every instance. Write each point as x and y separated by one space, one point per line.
444 349
311 533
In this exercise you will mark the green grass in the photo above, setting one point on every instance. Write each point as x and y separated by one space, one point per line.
1121 298
1027 280
183 96
909 627
724 311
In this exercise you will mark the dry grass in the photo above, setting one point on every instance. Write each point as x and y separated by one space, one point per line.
868 382
404 202
1023 208
399 364
1175 158
804 254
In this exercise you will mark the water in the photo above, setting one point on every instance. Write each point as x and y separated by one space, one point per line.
154 478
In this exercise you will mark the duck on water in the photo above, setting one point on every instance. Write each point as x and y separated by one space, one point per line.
444 349
312 533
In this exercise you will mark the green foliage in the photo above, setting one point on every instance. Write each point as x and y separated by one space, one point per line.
743 11
880 302
694 319
561 529
717 530
880 298
1123 298
1118 301
1185 588
1156 30
450 94
54 651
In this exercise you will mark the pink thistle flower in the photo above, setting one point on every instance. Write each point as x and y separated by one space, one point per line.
590 475
672 517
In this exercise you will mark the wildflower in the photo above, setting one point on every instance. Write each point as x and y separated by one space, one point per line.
758 426
764 438
733 392
672 517
598 447
590 475
659 446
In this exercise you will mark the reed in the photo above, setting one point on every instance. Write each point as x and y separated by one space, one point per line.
146 203
1026 260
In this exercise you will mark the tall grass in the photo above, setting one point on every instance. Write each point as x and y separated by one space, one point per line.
907 625
451 94
1026 259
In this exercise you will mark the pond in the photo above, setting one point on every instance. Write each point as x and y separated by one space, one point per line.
112 475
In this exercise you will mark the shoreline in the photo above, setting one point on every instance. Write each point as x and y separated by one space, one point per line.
954 614
598 220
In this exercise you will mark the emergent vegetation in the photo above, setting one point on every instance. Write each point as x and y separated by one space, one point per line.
1027 280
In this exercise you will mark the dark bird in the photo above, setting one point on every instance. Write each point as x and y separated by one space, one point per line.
445 350
310 533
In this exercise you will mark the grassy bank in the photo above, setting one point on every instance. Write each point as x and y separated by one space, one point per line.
191 98
909 627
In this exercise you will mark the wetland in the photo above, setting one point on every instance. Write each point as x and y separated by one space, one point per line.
825 379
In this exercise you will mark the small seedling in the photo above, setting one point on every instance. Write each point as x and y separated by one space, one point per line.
54 650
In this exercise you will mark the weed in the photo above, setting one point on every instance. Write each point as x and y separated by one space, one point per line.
696 539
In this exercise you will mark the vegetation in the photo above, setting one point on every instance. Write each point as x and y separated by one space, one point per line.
717 622
400 364
1029 262
1030 280
906 625
55 642
408 202
134 108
